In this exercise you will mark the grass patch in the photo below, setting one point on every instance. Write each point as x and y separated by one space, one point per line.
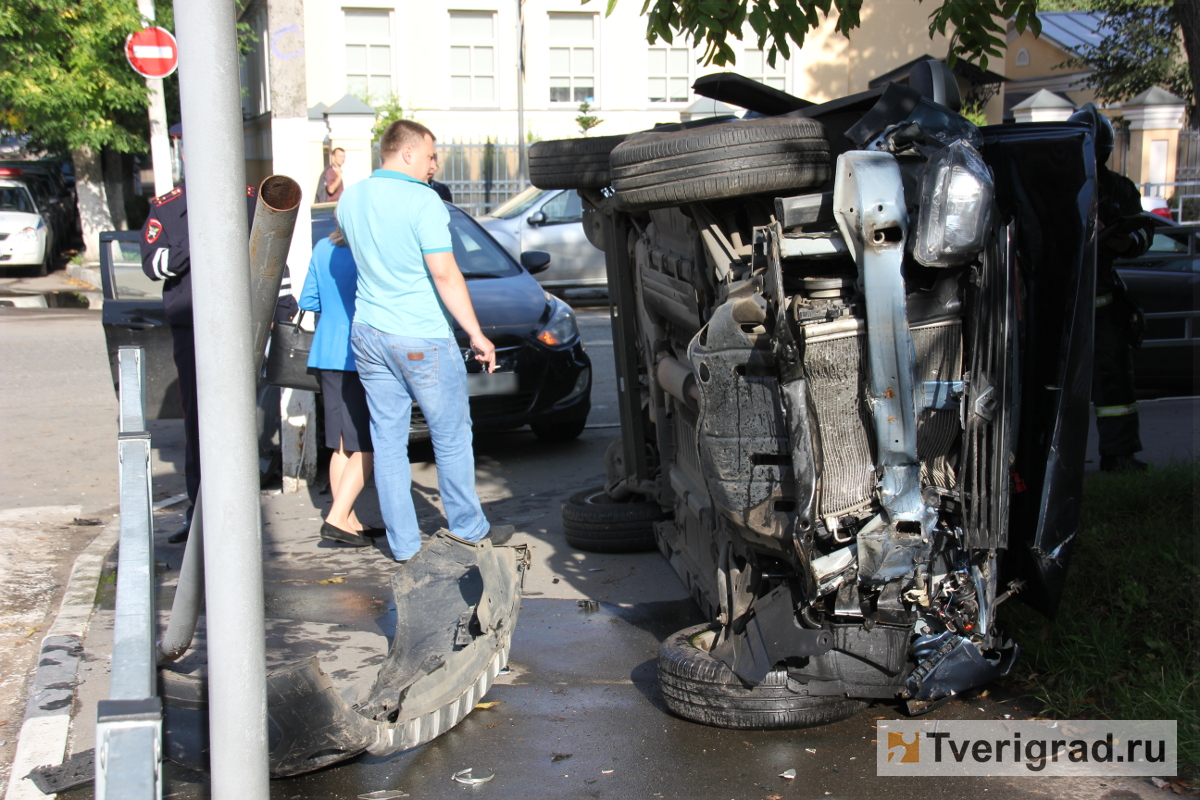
1126 644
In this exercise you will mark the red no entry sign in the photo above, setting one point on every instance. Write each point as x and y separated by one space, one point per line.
152 52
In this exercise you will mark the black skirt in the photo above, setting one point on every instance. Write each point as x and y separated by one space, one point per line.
347 419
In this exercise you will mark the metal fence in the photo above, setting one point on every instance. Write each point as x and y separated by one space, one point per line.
1187 163
481 175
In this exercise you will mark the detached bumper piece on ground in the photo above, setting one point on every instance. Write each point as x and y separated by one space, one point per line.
854 340
456 609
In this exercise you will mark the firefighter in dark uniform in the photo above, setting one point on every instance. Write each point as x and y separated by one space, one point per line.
1123 233
166 256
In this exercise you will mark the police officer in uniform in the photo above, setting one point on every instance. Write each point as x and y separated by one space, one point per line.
1124 233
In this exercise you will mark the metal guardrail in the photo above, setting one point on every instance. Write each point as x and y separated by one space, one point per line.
129 722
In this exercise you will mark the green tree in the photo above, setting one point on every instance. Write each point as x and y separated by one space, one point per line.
586 120
1141 47
64 80
976 27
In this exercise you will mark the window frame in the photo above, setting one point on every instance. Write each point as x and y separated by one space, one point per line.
571 46
668 75
388 41
472 44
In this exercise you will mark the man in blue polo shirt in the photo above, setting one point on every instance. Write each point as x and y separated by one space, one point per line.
409 286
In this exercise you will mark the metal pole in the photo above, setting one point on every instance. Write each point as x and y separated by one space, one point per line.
160 143
522 169
225 371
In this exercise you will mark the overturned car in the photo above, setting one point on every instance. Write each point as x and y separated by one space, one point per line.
853 344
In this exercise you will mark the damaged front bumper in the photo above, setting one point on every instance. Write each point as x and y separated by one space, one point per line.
456 610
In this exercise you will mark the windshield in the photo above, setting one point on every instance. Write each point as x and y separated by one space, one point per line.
16 198
477 254
517 205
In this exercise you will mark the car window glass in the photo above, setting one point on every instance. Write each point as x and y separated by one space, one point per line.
566 207
15 198
128 280
477 254
1166 243
519 204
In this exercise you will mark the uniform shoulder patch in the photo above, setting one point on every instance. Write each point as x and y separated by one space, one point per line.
163 199
251 191
153 231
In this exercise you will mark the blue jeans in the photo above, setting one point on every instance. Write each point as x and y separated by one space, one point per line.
396 372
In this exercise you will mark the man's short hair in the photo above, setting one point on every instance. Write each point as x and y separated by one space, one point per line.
403 133
337 150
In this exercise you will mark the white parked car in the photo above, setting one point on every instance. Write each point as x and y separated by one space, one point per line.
24 236
551 221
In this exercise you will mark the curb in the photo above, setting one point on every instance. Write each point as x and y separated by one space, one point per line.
43 737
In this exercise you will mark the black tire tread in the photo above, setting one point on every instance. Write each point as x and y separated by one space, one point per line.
609 526
572 163
697 687
720 161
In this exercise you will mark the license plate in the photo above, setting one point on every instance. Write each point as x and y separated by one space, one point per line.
484 383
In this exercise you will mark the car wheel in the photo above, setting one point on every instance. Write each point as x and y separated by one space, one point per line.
702 689
595 522
558 431
572 163
742 158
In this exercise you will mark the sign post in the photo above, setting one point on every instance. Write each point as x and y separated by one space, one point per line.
153 53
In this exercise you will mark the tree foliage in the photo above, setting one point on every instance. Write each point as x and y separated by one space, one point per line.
63 75
976 27
1141 47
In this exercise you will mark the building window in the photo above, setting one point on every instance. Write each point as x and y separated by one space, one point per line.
572 58
472 58
369 53
668 71
756 67
1022 57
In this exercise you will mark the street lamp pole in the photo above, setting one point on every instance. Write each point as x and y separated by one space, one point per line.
160 143
226 363
522 166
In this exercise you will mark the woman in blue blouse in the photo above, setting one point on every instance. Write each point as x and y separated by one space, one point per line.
329 290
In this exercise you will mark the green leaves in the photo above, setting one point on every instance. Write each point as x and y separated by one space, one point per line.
1141 48
976 27
63 74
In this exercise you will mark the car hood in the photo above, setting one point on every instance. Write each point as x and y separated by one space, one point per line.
12 221
504 231
513 305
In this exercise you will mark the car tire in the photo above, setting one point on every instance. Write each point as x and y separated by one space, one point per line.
572 163
595 522
702 689
772 154
558 431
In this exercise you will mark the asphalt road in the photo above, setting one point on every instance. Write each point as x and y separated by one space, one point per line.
580 713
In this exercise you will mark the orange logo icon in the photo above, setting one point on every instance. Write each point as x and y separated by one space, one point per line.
911 751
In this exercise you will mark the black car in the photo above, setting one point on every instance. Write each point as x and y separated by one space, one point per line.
1166 283
543 377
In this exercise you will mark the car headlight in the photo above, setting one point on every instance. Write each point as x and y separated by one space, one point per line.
562 328
25 236
956 202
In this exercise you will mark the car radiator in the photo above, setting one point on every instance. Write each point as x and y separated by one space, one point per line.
835 358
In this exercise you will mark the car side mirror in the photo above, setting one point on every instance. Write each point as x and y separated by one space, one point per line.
537 218
535 261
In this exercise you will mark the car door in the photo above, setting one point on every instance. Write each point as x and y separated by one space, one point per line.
557 228
133 316
1166 283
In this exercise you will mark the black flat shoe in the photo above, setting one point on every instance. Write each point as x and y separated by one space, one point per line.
180 535
335 534
373 533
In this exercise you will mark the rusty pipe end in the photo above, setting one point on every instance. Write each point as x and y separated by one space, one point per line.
280 193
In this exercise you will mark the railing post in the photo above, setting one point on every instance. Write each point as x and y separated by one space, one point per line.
129 723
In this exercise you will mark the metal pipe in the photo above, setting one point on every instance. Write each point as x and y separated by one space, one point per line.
226 363
270 240
677 380
189 592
